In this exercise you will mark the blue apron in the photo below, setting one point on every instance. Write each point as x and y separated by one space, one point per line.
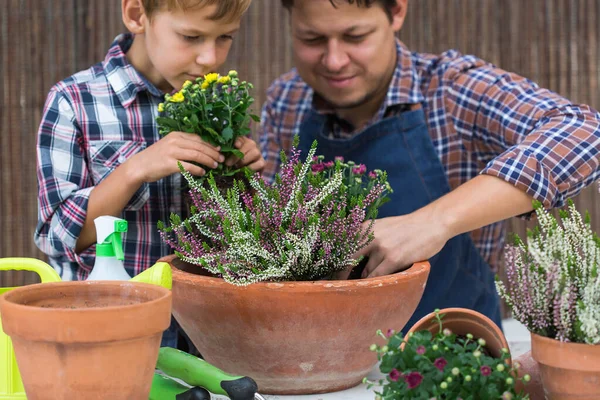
401 145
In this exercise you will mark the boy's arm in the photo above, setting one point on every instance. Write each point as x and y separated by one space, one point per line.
159 160
68 200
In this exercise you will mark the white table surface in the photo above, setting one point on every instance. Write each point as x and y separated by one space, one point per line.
518 341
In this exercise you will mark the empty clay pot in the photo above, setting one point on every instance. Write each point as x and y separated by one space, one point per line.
569 370
86 340
462 321
294 337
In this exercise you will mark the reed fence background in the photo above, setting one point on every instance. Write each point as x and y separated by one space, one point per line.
553 42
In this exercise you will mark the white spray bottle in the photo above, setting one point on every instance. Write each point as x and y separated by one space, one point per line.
109 250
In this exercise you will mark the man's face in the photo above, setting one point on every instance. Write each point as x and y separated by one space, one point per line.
345 53
183 45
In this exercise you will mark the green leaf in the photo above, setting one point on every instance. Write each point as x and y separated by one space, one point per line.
255 118
227 134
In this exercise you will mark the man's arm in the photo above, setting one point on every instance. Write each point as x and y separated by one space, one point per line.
534 144
400 241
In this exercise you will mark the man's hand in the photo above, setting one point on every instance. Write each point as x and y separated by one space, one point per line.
401 241
252 157
160 159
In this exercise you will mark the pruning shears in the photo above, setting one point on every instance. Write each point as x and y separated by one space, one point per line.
182 376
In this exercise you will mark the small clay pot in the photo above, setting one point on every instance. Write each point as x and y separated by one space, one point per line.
294 337
569 370
462 321
86 340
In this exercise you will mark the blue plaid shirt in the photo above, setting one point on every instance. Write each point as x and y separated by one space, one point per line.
92 122
481 119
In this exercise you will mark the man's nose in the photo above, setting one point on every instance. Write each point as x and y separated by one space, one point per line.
335 57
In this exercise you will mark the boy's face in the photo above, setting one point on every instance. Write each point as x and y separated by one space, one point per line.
183 45
345 53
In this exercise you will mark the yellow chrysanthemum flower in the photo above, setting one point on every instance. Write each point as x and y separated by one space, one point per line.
186 84
177 97
224 80
161 107
205 85
212 77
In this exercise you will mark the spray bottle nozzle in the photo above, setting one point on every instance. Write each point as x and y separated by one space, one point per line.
109 239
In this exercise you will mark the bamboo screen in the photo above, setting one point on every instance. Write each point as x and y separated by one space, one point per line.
553 42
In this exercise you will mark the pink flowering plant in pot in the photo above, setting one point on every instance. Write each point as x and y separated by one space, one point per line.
306 225
443 366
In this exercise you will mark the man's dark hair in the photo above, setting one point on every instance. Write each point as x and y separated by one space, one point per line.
387 5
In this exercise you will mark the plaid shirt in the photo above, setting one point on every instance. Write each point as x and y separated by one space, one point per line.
481 119
92 122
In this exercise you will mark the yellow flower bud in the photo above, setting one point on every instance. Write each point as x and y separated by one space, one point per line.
224 80
212 77
232 73
177 97
186 84
161 107
500 367
468 378
526 378
205 85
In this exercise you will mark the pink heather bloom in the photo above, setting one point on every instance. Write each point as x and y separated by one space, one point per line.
421 350
395 375
440 363
329 164
315 158
361 169
318 167
485 370
340 159
372 175
413 379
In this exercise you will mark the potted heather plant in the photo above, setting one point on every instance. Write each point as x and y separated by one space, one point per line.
553 288
216 108
443 365
252 281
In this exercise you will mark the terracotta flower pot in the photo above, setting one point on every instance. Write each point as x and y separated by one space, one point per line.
528 366
86 340
569 370
294 337
462 321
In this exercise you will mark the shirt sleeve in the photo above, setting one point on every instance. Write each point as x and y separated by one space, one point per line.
63 179
530 137
270 142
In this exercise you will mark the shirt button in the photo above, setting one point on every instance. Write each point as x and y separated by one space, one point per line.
121 159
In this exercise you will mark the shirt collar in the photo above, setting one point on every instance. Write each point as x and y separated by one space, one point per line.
125 80
403 88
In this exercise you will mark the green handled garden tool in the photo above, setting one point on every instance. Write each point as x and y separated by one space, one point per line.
200 378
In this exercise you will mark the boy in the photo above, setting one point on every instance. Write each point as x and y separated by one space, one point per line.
98 149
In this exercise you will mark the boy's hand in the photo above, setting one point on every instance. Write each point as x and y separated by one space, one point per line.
252 157
160 159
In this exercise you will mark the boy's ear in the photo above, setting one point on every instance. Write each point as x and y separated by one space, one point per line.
399 14
134 16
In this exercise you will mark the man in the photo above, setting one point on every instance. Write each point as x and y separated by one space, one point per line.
466 145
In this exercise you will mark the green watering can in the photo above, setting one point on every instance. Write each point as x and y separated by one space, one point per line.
11 386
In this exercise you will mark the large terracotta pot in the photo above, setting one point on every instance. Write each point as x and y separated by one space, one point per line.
462 321
294 337
86 340
568 370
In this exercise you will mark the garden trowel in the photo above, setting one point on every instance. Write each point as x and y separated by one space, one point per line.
182 376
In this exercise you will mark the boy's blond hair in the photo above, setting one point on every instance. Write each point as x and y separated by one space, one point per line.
227 10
